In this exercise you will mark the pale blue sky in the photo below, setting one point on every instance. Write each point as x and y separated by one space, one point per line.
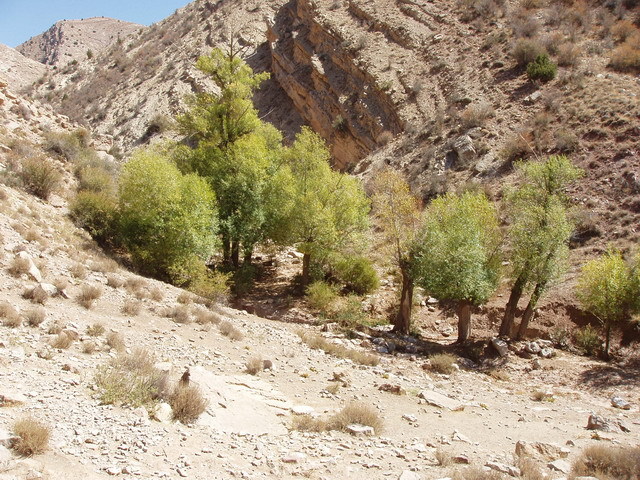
22 19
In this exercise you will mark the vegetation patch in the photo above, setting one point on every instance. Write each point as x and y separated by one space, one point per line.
318 342
32 437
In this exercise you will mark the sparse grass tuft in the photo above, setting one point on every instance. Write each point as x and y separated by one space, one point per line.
541 396
185 298
35 316
89 347
228 330
358 413
78 271
55 328
307 423
442 363
529 469
19 266
95 330
476 473
88 295
608 462
134 284
114 281
254 365
443 457
32 437
39 177
588 340
318 342
131 307
180 314
187 403
156 294
115 341
36 295
12 321
62 341
206 317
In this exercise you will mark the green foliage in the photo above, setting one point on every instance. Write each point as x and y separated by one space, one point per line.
96 213
542 69
457 258
321 296
588 340
39 176
71 146
167 219
95 179
358 274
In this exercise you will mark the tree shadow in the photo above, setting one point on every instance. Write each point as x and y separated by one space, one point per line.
608 376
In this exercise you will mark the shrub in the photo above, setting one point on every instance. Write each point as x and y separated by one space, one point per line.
568 55
526 51
36 295
95 330
88 295
185 298
588 340
114 281
62 341
608 462
95 179
78 271
88 347
443 457
95 212
321 296
626 57
32 437
205 317
624 30
211 285
8 312
131 307
356 413
156 294
35 316
71 146
307 423
358 274
12 321
228 330
476 115
19 266
39 177
187 403
476 473
542 69
180 314
254 365
348 312
116 341
442 363
55 328
318 342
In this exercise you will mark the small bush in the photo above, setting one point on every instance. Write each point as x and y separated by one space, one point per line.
95 330
624 30
588 340
608 462
78 271
318 342
187 403
62 341
71 146
443 457
185 298
307 423
180 314
88 295
39 177
36 295
568 55
205 317
95 212
626 57
19 266
89 347
542 396
104 265
35 316
358 274
131 307
254 365
566 141
32 437
55 328
358 413
476 473
156 294
135 284
228 330
348 312
95 179
114 281
12 321
529 469
321 296
116 342
442 363
526 51
542 69
476 115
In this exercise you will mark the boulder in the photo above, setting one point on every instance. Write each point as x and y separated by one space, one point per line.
561 466
463 146
597 422
500 346
439 400
621 403
33 271
545 451
360 430
163 413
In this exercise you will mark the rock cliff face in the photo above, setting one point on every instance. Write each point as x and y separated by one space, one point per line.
18 70
333 94
70 40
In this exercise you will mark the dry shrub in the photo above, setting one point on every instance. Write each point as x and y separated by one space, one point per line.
156 294
624 30
254 365
78 271
19 266
185 298
32 235
115 341
36 295
608 463
443 457
569 55
12 321
135 283
626 57
308 423
114 281
187 403
89 347
526 50
442 363
32 437
39 177
9 315
55 328
206 317
88 295
356 413
476 115
318 342
180 314
35 316
104 265
95 330
476 473
62 341
61 283
529 469
524 25
385 137
228 330
131 307
540 396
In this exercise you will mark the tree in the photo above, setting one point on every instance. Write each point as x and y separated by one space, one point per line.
539 233
167 220
397 213
329 209
457 258
608 288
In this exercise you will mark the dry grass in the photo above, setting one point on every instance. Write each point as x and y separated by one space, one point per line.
187 403
134 284
254 365
185 298
307 423
32 437
88 295
131 307
95 330
35 316
540 396
476 115
228 330
529 469
115 341
78 271
12 321
114 281
608 463
36 295
318 342
476 473
61 283
89 347
19 266
180 314
206 317
443 457
55 328
358 413
104 265
62 341
442 363
156 294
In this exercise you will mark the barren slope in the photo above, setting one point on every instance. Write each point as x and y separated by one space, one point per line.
17 70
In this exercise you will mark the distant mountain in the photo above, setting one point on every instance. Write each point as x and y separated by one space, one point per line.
69 40
18 70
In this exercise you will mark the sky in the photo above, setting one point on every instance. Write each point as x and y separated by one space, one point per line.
23 19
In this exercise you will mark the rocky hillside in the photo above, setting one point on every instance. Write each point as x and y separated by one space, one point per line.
69 40
17 70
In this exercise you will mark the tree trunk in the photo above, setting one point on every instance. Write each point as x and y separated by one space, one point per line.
226 250
235 254
248 253
464 321
510 310
306 263
402 321
528 312
607 341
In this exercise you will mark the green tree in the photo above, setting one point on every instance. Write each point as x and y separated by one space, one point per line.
608 288
397 213
167 219
539 233
457 259
329 210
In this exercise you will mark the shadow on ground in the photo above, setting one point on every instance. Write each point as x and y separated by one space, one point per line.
607 376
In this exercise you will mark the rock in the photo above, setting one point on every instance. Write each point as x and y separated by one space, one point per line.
500 346
535 364
585 478
533 98
48 288
503 468
409 475
463 459
440 401
619 402
293 457
463 146
410 418
561 466
10 399
623 426
546 451
267 365
5 455
547 352
359 430
114 470
387 387
533 347
33 271
6 439
302 410
459 437
163 413
597 422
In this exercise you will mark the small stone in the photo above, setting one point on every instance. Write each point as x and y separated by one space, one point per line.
596 422
440 401
163 413
302 410
500 346
503 468
410 418
459 437
619 402
561 466
182 472
533 347
547 352
387 387
293 457
359 430
409 475
463 459
114 470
